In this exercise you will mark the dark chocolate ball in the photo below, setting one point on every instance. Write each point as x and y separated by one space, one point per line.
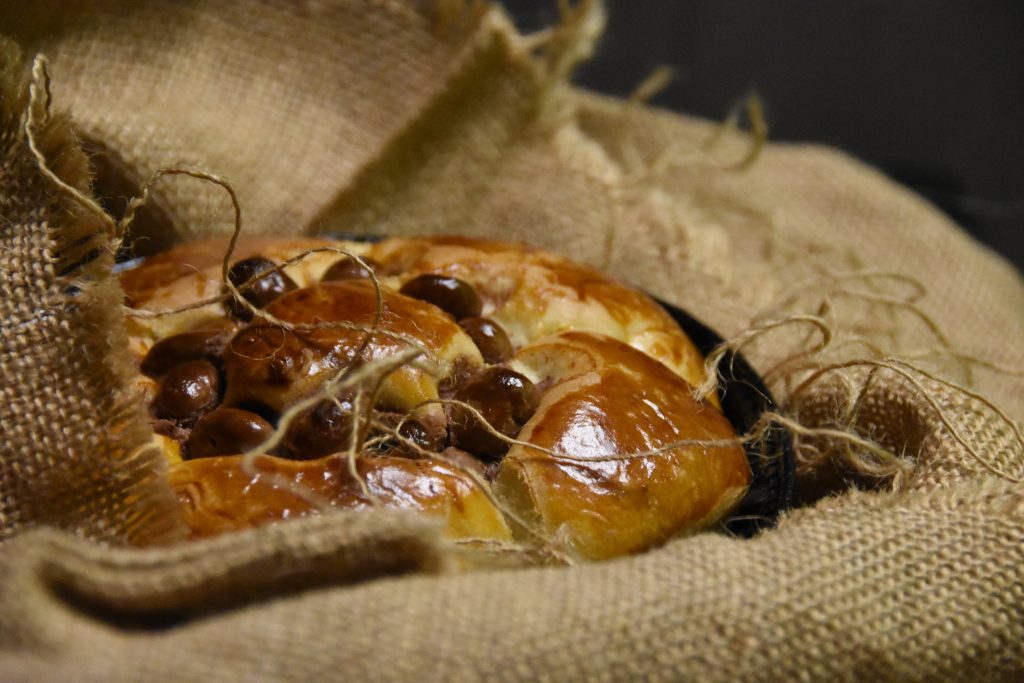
227 431
489 337
322 430
187 391
271 283
349 269
170 351
505 398
417 432
450 294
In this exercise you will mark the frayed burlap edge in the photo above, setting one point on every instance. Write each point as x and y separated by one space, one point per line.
67 279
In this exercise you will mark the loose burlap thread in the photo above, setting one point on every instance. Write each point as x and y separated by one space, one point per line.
387 117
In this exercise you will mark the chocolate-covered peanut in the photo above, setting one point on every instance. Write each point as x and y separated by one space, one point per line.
505 398
489 337
170 351
272 283
347 268
450 294
227 431
187 391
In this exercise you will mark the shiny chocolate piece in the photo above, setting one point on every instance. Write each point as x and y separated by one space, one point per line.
227 431
187 391
271 284
322 430
505 398
450 294
489 337
349 269
187 346
419 434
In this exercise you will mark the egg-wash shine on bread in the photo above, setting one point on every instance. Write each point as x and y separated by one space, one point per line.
551 353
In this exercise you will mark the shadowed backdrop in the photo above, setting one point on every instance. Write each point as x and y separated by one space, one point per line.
929 91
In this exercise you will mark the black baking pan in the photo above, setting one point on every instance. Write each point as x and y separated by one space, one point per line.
744 398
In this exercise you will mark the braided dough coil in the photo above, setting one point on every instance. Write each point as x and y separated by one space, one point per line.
592 371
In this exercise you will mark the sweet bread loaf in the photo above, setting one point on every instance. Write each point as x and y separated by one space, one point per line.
535 410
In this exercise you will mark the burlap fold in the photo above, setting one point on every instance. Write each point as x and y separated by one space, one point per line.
75 452
394 117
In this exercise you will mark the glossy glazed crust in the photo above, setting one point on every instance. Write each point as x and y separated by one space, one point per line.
534 294
615 370
252 368
218 495
607 399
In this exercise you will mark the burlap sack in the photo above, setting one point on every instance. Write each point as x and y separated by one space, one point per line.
387 117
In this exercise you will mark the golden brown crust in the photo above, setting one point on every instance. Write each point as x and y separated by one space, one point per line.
535 294
314 356
218 495
616 375
607 399
197 264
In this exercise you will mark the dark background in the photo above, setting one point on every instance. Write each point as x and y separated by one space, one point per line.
929 91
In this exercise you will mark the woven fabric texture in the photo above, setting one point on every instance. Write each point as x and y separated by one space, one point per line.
74 453
383 117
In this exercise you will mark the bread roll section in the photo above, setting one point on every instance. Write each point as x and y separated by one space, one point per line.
549 405
607 403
